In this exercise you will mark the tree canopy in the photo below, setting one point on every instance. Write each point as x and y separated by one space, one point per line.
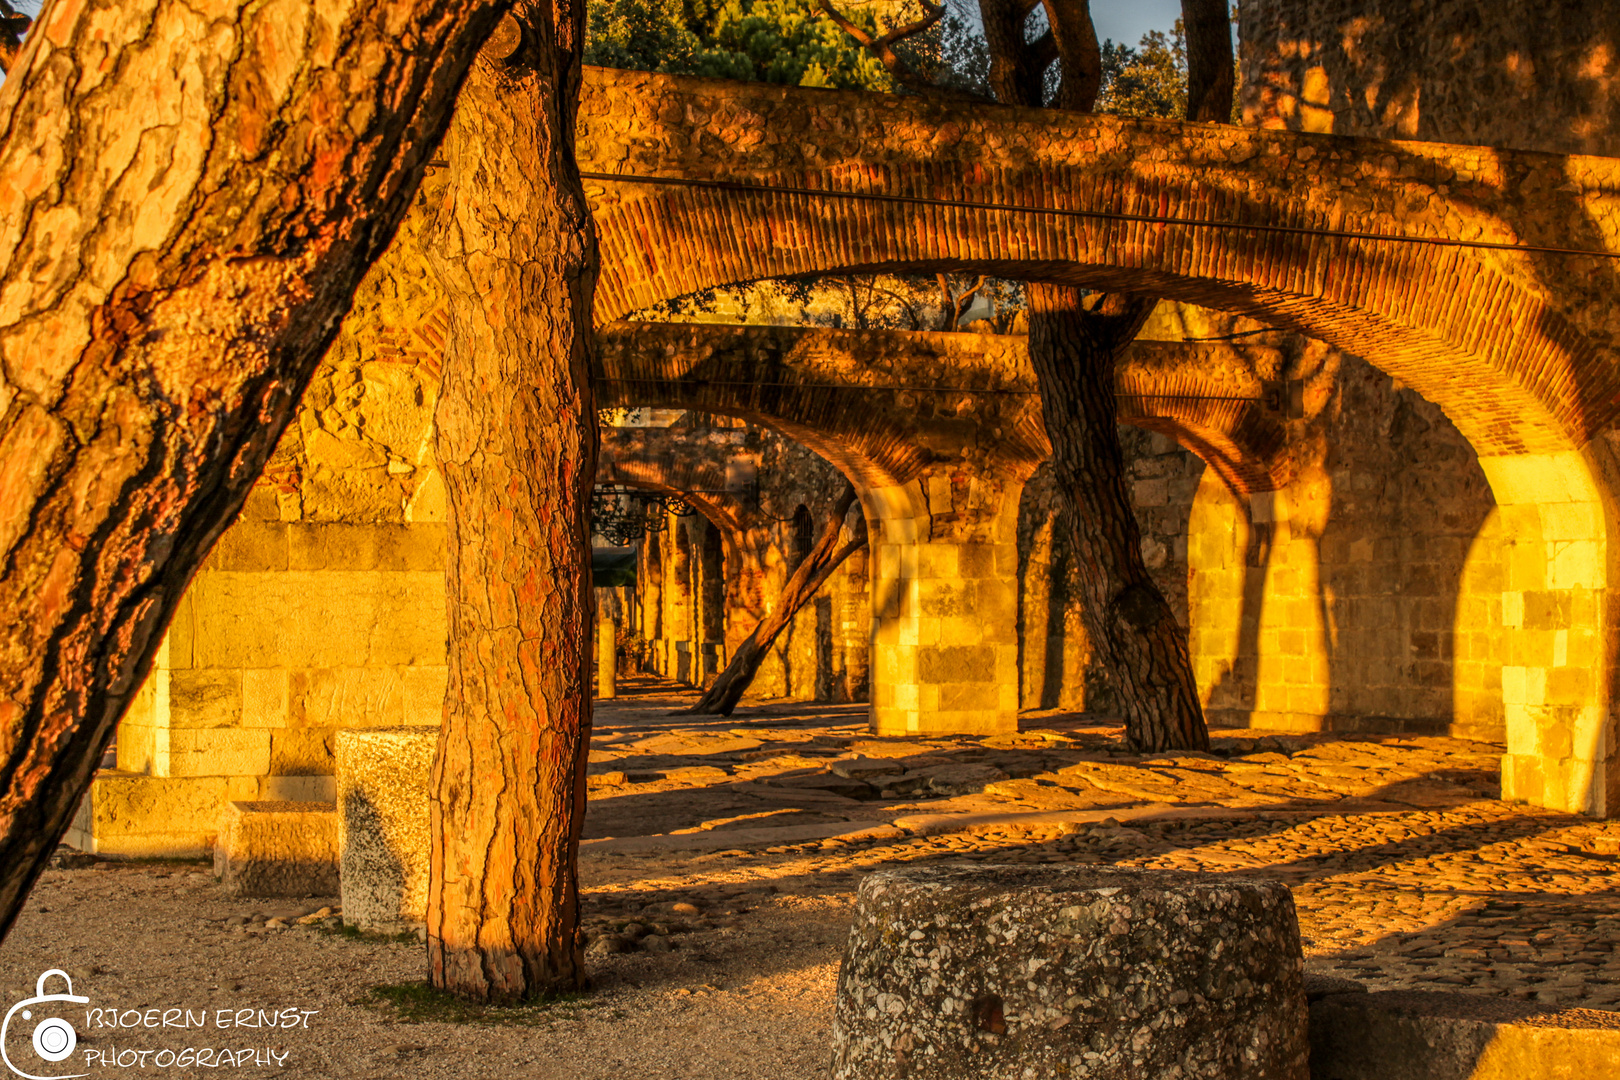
776 41
1149 80
792 42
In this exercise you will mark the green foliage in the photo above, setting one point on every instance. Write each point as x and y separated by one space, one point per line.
1149 80
776 41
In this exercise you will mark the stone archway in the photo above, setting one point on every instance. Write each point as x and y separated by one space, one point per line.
938 432
1511 342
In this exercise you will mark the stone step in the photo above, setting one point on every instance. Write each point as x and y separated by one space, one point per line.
1419 1035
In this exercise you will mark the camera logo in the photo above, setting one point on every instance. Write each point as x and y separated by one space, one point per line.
53 1038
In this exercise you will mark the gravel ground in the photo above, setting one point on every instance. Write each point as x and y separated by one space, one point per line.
721 872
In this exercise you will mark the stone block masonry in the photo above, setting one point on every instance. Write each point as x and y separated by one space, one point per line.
1506 615
1416 1035
1440 71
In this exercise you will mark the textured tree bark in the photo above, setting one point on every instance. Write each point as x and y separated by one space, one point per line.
808 578
516 442
1073 352
187 202
1211 77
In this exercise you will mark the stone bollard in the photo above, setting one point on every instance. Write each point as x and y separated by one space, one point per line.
383 838
607 658
991 972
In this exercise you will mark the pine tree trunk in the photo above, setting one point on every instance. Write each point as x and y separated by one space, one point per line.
1211 76
187 203
808 578
516 442
1073 352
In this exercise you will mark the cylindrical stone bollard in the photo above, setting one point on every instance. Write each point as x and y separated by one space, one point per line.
991 972
607 658
383 838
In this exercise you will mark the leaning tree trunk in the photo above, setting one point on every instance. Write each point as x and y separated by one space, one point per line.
1145 649
187 203
516 252
808 578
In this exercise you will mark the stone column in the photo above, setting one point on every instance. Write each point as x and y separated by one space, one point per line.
945 602
962 973
383 840
650 584
678 603
607 657
1558 654
710 597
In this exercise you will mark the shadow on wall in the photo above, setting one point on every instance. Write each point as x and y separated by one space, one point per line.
1365 596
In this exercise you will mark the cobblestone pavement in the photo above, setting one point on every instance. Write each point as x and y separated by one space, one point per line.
1406 871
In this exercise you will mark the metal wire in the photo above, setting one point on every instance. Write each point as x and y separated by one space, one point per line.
909 389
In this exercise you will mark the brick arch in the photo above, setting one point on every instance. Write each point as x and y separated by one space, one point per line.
626 459
1471 330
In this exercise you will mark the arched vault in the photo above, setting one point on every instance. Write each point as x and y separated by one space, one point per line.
885 405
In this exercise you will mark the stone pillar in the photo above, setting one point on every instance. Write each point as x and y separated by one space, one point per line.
710 597
945 602
1558 654
852 614
649 590
607 657
678 602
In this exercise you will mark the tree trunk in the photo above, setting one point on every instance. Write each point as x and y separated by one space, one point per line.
187 203
516 442
1079 54
1016 70
824 558
1073 352
13 28
1211 77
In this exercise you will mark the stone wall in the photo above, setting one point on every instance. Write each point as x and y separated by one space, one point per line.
1363 595
1528 74
322 608
706 607
1057 669
1366 594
